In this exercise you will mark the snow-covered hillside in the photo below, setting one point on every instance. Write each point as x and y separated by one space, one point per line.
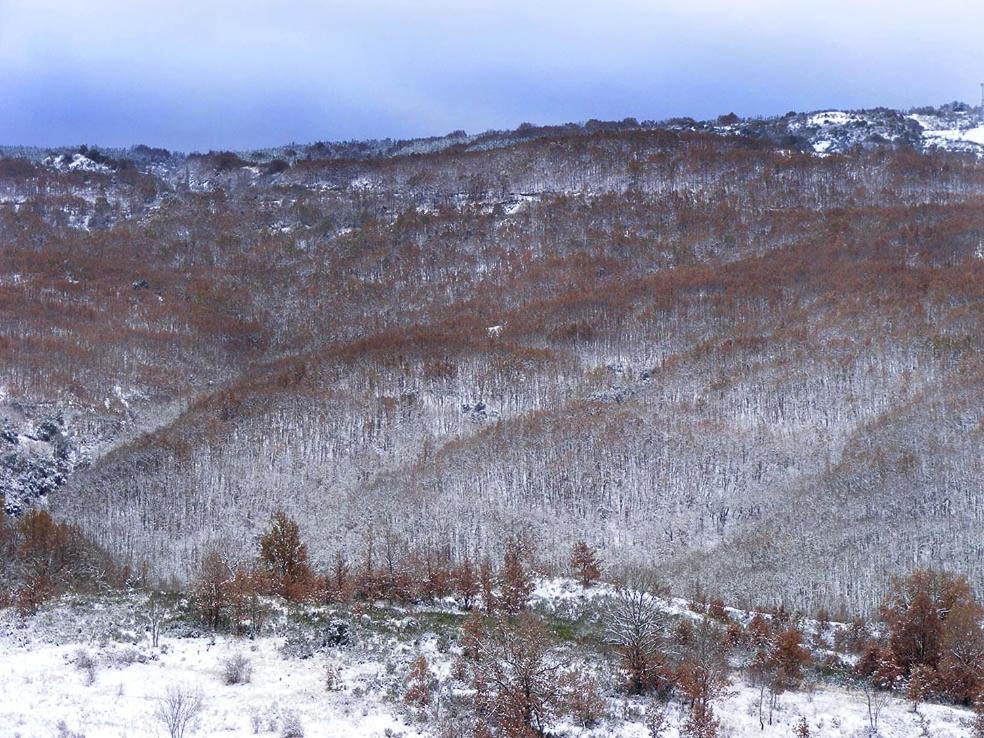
955 127
958 131
693 345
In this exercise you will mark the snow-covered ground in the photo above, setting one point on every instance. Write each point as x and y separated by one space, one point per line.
76 162
955 139
43 689
46 692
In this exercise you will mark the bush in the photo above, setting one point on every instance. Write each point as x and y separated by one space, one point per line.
583 700
178 709
331 678
237 669
86 664
124 657
292 727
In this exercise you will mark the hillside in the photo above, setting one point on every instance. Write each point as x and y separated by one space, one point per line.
675 341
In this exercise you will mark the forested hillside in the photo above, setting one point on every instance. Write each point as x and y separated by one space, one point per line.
756 369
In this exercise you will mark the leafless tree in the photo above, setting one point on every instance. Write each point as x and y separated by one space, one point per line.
636 625
155 617
876 700
178 709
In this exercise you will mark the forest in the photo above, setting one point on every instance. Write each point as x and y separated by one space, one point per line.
751 369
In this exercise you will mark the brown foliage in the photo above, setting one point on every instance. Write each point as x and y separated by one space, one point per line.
789 657
515 583
418 692
701 676
285 557
211 590
466 583
42 557
516 680
934 628
581 698
584 563
979 716
246 612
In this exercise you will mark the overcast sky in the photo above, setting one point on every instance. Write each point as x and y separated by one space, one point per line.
209 74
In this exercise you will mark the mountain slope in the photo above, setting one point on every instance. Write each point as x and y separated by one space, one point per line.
757 368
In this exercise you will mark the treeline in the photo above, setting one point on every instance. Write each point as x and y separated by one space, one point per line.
227 593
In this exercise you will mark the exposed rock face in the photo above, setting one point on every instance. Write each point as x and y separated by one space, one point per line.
34 464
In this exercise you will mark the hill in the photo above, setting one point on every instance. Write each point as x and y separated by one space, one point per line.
745 352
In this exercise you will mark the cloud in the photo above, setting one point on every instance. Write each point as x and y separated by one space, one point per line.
218 74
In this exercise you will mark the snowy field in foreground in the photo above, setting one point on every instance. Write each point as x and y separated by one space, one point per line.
42 688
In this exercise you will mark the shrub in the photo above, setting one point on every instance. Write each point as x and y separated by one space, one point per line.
418 692
86 664
331 677
656 720
717 611
583 700
237 669
802 729
292 726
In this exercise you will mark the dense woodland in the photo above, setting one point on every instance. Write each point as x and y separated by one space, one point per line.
754 371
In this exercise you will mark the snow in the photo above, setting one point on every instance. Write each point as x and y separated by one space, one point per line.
832 118
519 202
42 686
75 163
955 135
836 712
118 391
966 134
124 696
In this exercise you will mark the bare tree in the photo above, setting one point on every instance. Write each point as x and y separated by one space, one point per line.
636 624
876 700
155 617
178 708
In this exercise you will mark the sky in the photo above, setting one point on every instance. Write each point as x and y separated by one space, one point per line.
194 75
